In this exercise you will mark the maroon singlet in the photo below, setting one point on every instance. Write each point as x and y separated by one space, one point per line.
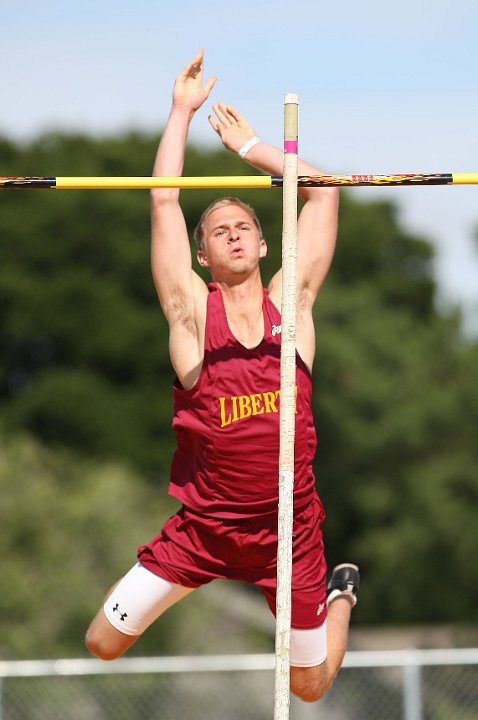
227 426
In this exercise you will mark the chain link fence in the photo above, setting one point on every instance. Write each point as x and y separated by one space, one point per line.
393 685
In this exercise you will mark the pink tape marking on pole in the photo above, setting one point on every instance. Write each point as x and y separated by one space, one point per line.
291 146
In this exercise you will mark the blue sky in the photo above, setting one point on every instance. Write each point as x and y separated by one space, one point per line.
383 87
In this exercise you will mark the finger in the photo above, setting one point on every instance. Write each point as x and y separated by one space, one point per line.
210 84
214 124
219 113
195 63
240 121
222 110
234 113
196 70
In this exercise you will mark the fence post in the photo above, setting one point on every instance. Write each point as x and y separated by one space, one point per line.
412 691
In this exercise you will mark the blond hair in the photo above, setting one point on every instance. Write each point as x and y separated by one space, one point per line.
219 203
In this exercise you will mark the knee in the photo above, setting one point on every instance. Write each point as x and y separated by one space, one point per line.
309 684
95 646
100 647
312 692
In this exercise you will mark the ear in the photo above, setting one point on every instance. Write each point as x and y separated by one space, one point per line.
263 249
202 258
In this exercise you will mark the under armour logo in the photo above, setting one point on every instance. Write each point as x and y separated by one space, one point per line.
320 609
122 615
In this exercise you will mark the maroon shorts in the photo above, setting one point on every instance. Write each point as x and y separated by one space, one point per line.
193 549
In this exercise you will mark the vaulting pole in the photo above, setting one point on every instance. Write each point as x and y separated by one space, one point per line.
287 405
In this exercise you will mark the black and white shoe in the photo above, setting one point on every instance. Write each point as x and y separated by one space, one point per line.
344 582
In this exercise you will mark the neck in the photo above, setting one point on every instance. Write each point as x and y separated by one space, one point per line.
245 294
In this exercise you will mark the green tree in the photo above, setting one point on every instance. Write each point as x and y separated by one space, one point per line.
70 528
396 402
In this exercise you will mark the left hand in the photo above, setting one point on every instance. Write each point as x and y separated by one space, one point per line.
231 127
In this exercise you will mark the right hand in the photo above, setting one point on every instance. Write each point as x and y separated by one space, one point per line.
189 91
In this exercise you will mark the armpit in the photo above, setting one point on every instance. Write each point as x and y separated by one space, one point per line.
179 310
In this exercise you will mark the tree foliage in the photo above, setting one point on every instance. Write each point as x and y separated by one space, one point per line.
70 528
84 369
397 404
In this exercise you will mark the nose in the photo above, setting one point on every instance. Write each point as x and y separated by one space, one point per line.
233 235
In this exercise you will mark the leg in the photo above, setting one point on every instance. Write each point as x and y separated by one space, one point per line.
130 607
311 682
104 640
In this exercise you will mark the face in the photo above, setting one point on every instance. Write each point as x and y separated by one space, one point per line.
232 243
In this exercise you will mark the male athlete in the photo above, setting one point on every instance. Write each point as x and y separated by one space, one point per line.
224 342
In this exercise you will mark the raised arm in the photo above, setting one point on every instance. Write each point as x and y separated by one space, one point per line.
180 290
317 224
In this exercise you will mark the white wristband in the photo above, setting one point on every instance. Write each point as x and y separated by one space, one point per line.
247 146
